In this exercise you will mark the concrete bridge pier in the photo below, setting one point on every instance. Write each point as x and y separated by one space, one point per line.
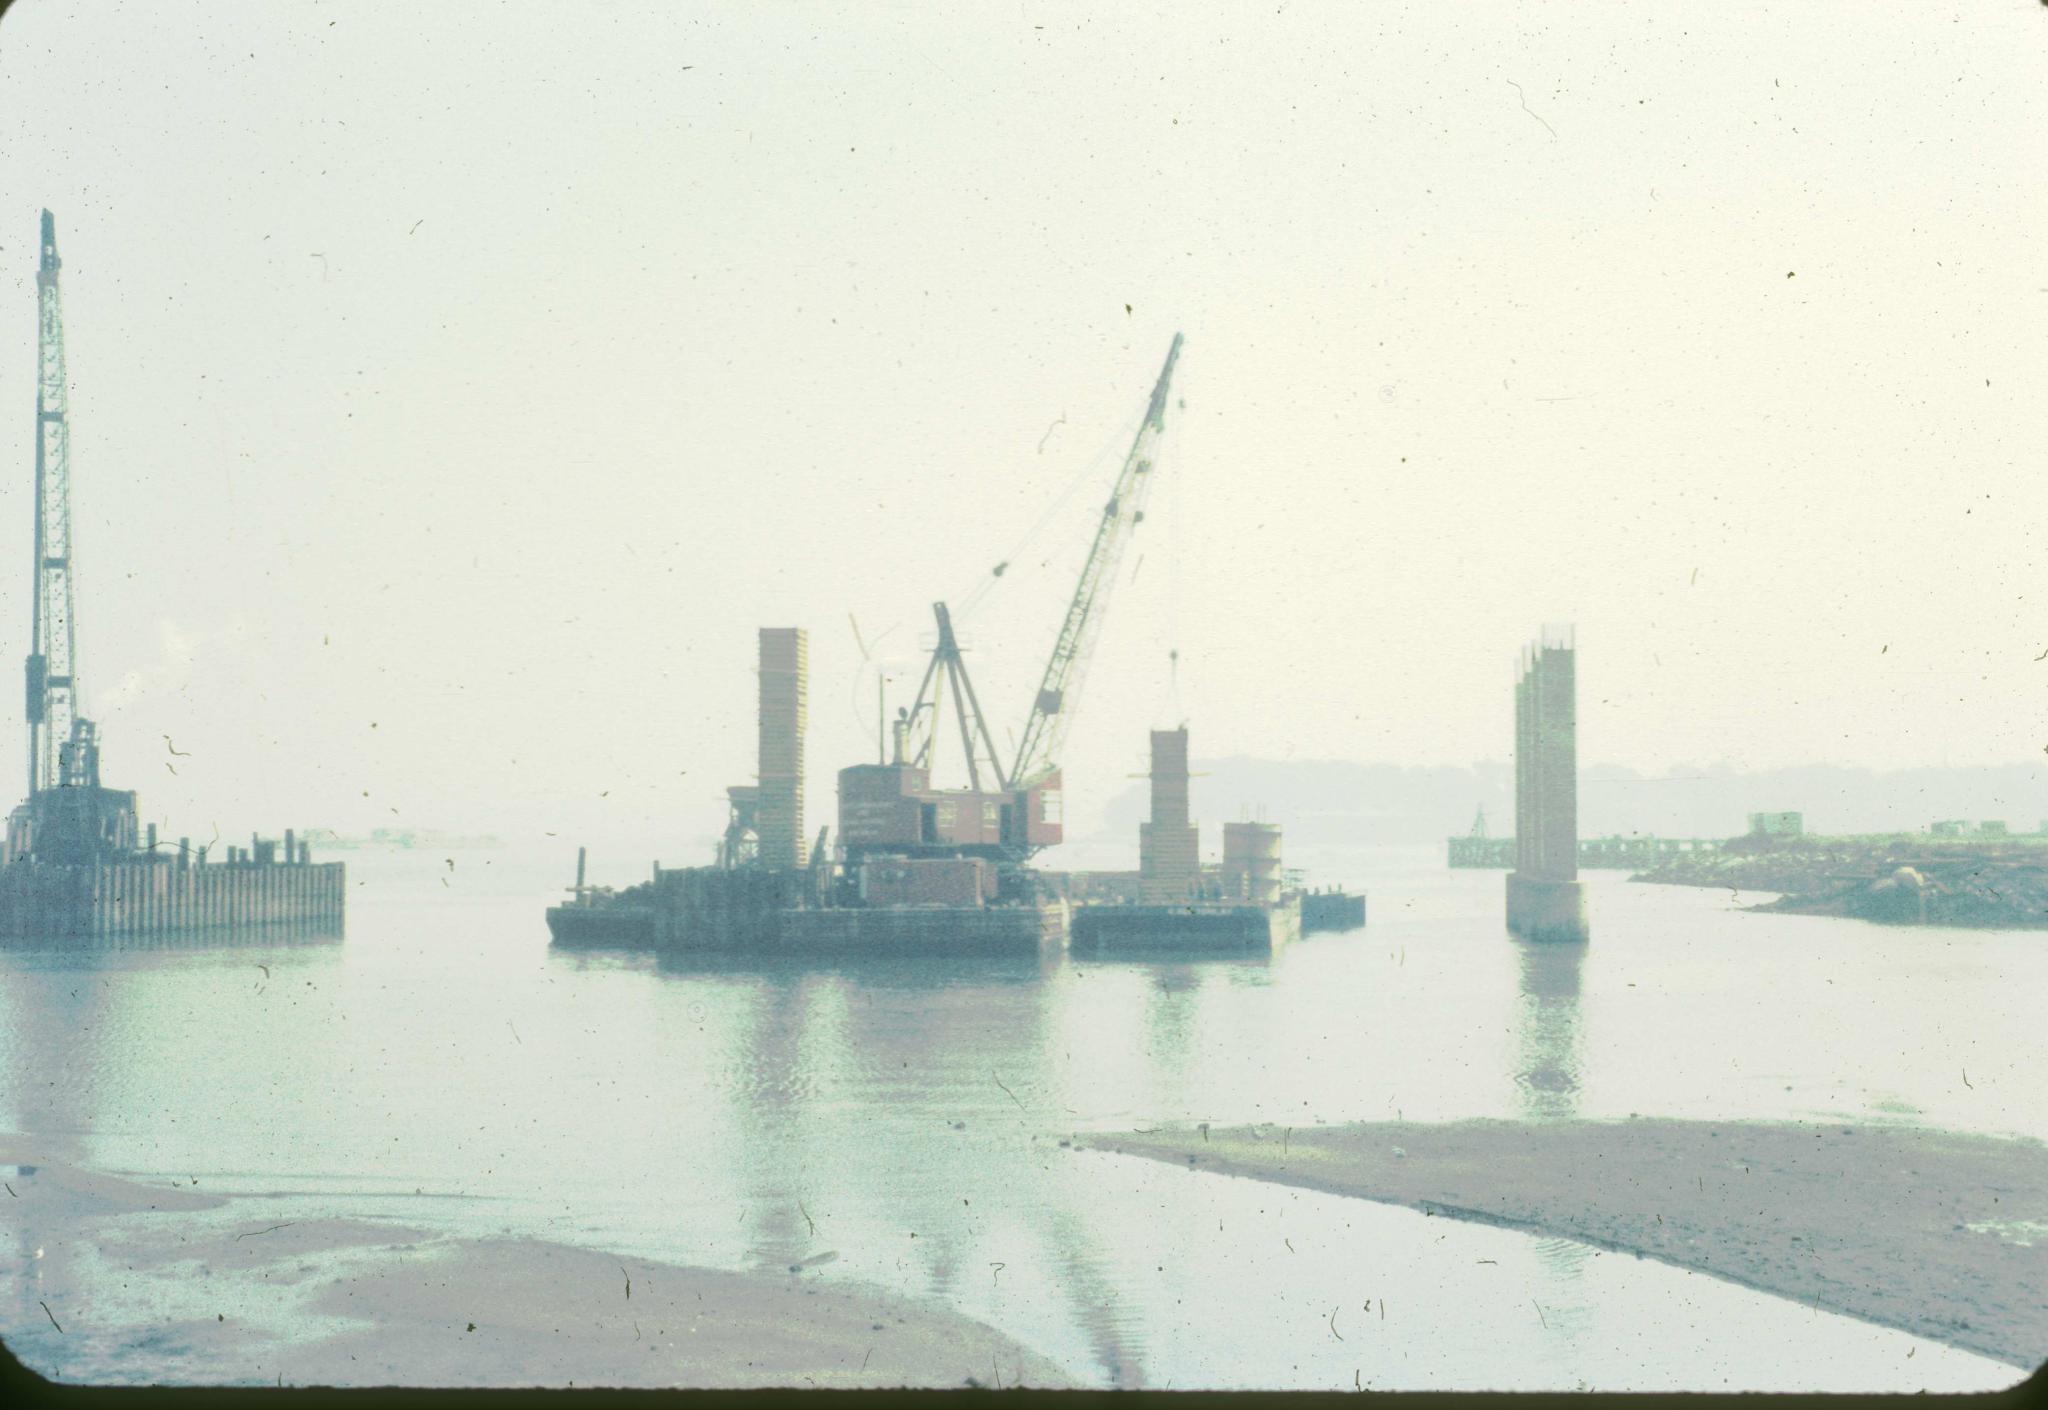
1545 899
1546 910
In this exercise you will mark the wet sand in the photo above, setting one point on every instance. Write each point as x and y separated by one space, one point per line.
1935 1233
151 1284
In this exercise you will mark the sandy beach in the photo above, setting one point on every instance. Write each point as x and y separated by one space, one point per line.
126 1282
1935 1233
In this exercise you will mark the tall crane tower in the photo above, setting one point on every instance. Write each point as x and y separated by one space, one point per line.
67 816
61 748
1038 750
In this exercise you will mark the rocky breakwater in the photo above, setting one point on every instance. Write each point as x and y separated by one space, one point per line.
1904 879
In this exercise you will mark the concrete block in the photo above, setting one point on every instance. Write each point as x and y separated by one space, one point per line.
1546 910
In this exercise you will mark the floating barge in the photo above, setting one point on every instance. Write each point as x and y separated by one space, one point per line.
602 925
1331 910
777 912
1174 903
76 866
1023 929
1198 927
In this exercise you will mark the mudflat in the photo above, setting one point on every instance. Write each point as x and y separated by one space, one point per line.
129 1282
1936 1233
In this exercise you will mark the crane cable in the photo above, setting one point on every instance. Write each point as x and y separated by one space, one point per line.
1173 575
1173 712
973 598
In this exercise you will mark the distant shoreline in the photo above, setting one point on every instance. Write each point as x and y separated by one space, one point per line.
403 842
1934 1233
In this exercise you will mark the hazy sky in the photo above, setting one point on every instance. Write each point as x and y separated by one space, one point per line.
457 387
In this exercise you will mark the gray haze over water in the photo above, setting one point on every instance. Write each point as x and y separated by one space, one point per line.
457 389
443 1068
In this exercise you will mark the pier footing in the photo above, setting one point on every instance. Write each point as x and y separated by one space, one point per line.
1546 910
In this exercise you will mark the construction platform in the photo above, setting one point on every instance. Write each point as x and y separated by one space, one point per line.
1194 927
774 912
65 901
948 931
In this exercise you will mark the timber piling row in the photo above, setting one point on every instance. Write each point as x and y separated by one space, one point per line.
42 900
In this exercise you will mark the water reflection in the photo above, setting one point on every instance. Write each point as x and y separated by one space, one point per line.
1547 1089
867 971
1108 1321
767 1106
1182 959
273 934
898 1121
1547 1031
55 1018
734 1111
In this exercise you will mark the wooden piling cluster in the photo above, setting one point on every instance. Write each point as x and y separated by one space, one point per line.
150 894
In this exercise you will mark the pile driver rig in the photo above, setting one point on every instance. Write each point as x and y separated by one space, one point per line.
67 816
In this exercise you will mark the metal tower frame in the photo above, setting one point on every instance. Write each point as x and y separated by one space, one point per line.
61 749
948 669
1038 750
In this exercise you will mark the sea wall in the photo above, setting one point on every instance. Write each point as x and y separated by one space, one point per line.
50 901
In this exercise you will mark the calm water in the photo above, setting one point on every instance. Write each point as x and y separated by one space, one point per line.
443 1067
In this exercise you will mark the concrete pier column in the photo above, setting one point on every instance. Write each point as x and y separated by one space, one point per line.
1169 844
784 714
1545 899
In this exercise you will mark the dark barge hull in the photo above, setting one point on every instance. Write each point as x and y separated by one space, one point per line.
1332 910
705 910
1185 930
922 930
602 927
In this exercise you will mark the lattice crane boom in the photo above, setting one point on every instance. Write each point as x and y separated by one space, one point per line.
1039 749
61 747
921 725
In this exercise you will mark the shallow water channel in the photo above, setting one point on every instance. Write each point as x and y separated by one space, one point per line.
442 1067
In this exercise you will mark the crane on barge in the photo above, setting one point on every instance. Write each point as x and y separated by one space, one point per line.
891 808
1045 731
